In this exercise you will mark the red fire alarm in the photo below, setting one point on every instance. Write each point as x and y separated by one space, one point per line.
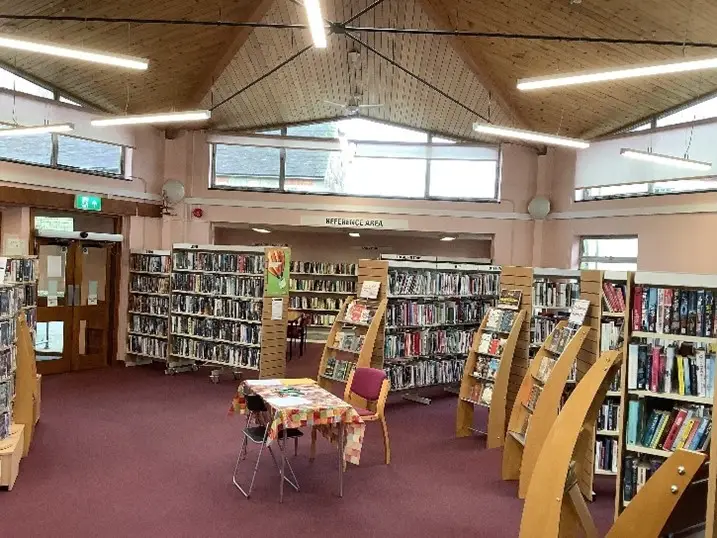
197 212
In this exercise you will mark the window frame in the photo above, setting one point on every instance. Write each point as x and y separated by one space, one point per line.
582 257
282 178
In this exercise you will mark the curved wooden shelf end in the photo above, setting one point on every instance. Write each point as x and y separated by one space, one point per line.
649 511
545 514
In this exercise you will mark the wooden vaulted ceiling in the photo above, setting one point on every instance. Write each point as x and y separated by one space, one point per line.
192 66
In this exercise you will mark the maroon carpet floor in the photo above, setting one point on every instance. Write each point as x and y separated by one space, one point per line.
132 452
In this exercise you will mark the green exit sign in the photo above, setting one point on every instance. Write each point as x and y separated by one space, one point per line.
85 202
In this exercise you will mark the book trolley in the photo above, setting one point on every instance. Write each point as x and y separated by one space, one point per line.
487 370
434 307
668 390
353 337
318 290
229 307
538 401
148 310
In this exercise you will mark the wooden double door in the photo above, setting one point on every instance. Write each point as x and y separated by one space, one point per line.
74 313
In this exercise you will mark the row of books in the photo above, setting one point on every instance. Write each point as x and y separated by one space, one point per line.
148 325
8 300
358 311
314 303
326 320
425 373
427 343
338 370
500 320
636 471
681 370
561 338
7 363
149 284
546 368
309 284
219 262
535 391
609 416
614 296
615 383
7 332
606 454
147 346
240 286
217 329
491 344
486 368
149 304
4 424
348 341
216 352
674 311
541 329
555 294
19 270
427 282
26 295
481 393
7 390
323 268
611 335
686 427
150 263
222 307
418 313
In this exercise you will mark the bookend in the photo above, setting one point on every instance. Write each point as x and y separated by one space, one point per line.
498 406
548 512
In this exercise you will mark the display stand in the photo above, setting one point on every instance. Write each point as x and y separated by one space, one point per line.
148 309
474 384
548 512
230 308
521 450
26 387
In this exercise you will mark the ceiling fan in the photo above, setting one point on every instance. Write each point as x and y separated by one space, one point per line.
353 107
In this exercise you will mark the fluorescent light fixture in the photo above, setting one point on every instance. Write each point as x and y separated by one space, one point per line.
448 238
530 136
354 234
668 160
37 129
261 230
74 53
167 117
316 23
620 73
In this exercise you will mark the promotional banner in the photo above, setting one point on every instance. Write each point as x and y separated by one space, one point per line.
278 261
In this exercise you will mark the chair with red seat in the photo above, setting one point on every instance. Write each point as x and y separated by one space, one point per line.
367 391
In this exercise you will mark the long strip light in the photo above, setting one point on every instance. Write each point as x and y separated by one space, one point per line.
168 117
668 160
117 60
316 23
601 75
530 136
37 129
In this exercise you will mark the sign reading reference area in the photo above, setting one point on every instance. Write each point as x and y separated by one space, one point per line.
355 223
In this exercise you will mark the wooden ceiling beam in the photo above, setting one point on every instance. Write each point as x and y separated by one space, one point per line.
234 40
475 61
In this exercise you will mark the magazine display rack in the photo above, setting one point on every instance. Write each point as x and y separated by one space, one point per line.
487 371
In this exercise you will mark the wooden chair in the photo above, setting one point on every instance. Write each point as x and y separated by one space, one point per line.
367 391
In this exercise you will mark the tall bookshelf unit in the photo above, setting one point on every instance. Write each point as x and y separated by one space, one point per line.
22 272
148 308
222 311
8 357
667 382
318 290
434 308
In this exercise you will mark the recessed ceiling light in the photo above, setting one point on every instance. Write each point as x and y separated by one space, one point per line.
354 234
448 238
261 230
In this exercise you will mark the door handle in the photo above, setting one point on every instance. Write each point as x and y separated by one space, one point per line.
70 295
77 295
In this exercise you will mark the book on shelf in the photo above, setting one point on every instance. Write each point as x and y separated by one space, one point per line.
542 327
555 294
152 326
609 416
545 369
314 303
487 368
326 286
486 395
359 312
210 351
150 263
688 312
535 392
218 262
614 297
611 335
491 344
220 307
637 470
500 320
687 427
425 373
683 370
345 341
427 342
412 313
323 268
606 454
509 299
338 369
436 283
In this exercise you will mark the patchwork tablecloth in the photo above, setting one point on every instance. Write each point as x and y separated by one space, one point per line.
297 403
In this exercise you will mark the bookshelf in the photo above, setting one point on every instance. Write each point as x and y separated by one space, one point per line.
229 307
317 290
668 381
148 308
8 358
434 307
487 372
22 272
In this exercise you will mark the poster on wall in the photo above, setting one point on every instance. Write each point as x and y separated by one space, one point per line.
278 261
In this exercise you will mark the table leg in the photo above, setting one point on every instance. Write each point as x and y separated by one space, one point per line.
341 458
282 447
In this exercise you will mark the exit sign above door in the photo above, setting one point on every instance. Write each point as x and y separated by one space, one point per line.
85 202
